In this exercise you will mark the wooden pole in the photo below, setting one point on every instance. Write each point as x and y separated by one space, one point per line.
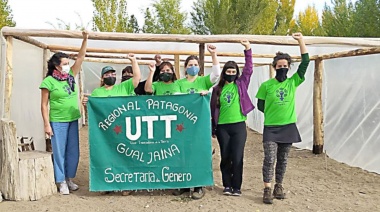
318 136
81 95
254 39
272 72
8 77
201 59
46 56
177 66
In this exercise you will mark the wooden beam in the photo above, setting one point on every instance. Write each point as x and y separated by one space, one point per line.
254 39
113 61
177 66
55 48
8 77
318 135
107 56
356 52
201 59
31 41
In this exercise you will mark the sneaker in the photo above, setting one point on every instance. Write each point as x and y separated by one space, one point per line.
267 197
72 185
181 191
236 192
227 191
198 193
278 191
63 189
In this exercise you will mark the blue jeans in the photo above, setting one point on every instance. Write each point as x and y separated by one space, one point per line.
65 143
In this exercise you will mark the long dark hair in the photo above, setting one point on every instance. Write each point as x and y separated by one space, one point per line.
54 61
163 64
281 56
222 81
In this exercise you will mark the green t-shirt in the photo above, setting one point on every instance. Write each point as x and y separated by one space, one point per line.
125 88
161 88
230 111
279 100
63 101
198 85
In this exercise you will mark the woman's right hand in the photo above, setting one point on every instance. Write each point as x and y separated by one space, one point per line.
152 67
48 131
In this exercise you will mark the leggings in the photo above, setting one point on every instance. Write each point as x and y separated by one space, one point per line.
273 150
231 139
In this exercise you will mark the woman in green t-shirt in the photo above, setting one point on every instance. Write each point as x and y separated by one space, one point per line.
58 90
276 99
197 84
108 79
166 84
109 89
230 104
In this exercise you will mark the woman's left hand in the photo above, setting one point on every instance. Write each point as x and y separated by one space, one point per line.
297 36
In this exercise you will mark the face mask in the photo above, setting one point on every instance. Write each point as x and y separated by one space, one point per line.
109 81
281 74
66 69
229 78
193 70
124 78
166 77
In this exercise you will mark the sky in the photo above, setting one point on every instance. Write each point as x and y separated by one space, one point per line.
34 14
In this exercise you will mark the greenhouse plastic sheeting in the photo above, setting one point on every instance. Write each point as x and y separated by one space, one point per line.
350 99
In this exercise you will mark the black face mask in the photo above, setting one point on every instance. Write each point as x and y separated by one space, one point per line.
166 77
281 74
124 78
109 81
229 78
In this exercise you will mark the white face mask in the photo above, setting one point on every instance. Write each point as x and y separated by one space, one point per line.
66 69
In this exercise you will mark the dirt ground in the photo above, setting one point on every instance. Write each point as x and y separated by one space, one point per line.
312 183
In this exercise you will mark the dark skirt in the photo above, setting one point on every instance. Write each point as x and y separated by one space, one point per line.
282 134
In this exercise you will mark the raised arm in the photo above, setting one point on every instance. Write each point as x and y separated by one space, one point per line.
248 67
136 70
304 55
148 84
82 53
215 71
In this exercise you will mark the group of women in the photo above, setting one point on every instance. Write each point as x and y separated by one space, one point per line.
230 104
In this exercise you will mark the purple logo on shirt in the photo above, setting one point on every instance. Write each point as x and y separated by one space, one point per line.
67 89
281 93
228 96
192 90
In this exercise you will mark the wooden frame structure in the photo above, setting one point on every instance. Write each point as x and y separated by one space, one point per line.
372 47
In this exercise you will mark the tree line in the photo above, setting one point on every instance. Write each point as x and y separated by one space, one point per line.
341 18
